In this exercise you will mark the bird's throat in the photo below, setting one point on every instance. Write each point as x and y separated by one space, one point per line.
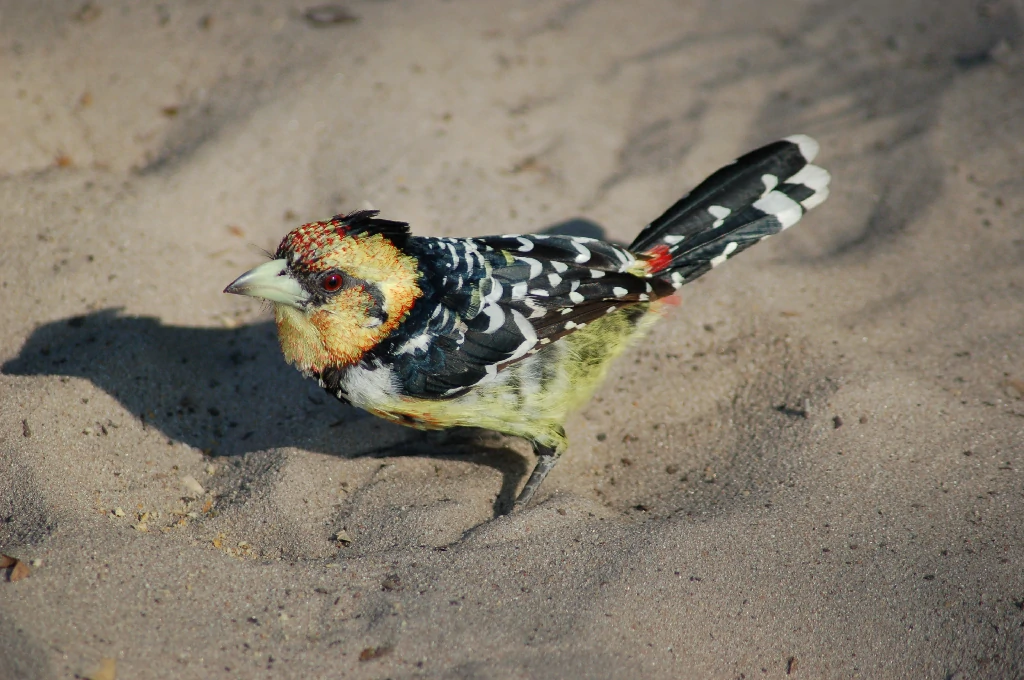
300 341
312 342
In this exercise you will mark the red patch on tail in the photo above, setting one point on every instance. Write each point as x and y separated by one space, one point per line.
672 300
658 258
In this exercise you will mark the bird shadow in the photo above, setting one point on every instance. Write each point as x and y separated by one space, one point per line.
227 392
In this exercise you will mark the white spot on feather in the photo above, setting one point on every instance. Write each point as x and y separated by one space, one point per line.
810 176
526 245
815 199
536 311
473 256
720 212
490 373
576 297
490 307
596 273
770 182
455 256
619 292
495 293
730 248
808 146
584 252
815 178
672 239
496 317
787 211
536 268
560 267
529 336
421 341
554 279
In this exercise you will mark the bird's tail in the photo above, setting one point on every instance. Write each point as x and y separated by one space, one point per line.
757 195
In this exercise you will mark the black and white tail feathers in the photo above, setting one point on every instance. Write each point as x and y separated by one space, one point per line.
759 194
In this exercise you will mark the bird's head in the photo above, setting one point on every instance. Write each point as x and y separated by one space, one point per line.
338 288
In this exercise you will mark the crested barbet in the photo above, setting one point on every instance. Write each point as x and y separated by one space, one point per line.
509 333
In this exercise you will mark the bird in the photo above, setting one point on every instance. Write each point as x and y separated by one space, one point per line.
509 333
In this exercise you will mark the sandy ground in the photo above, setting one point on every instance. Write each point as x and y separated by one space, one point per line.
814 468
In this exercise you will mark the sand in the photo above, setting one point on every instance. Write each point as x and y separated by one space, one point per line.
813 468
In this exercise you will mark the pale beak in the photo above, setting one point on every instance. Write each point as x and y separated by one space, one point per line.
270 281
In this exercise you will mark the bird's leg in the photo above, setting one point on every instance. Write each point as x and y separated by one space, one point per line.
547 456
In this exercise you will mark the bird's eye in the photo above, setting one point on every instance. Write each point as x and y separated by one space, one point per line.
332 282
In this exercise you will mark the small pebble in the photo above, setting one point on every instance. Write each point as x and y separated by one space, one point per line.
329 15
371 653
193 488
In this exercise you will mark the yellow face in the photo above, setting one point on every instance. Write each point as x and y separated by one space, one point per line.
336 292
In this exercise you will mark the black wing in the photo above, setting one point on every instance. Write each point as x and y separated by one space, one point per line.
492 301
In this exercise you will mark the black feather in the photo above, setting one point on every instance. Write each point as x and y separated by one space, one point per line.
735 187
367 222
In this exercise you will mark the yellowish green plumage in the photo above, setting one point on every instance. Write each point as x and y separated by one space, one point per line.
533 398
